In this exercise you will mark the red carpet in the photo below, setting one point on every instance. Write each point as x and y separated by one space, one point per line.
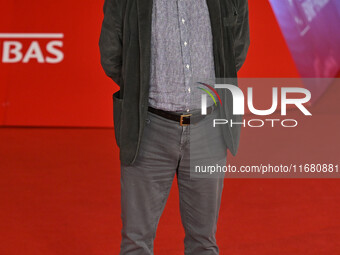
59 192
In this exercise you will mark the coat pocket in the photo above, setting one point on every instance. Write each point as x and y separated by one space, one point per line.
117 112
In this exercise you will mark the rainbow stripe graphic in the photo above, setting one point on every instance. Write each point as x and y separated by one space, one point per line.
209 93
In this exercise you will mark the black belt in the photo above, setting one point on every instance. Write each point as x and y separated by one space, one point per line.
183 119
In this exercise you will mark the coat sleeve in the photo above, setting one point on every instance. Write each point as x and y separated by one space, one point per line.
110 41
242 37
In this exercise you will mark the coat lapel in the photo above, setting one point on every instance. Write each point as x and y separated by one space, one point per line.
214 12
144 12
215 20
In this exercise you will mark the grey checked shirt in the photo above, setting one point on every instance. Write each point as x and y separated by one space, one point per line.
181 54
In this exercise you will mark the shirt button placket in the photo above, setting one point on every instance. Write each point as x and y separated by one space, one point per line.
185 50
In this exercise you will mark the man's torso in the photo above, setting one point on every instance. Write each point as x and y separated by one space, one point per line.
181 54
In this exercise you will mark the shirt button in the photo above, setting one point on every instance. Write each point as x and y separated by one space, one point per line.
187 66
185 43
183 20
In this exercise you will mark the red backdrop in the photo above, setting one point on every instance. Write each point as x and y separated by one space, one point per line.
75 91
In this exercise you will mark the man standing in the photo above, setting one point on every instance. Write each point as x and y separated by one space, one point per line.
154 50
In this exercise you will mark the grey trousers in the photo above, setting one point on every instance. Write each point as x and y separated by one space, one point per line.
145 185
